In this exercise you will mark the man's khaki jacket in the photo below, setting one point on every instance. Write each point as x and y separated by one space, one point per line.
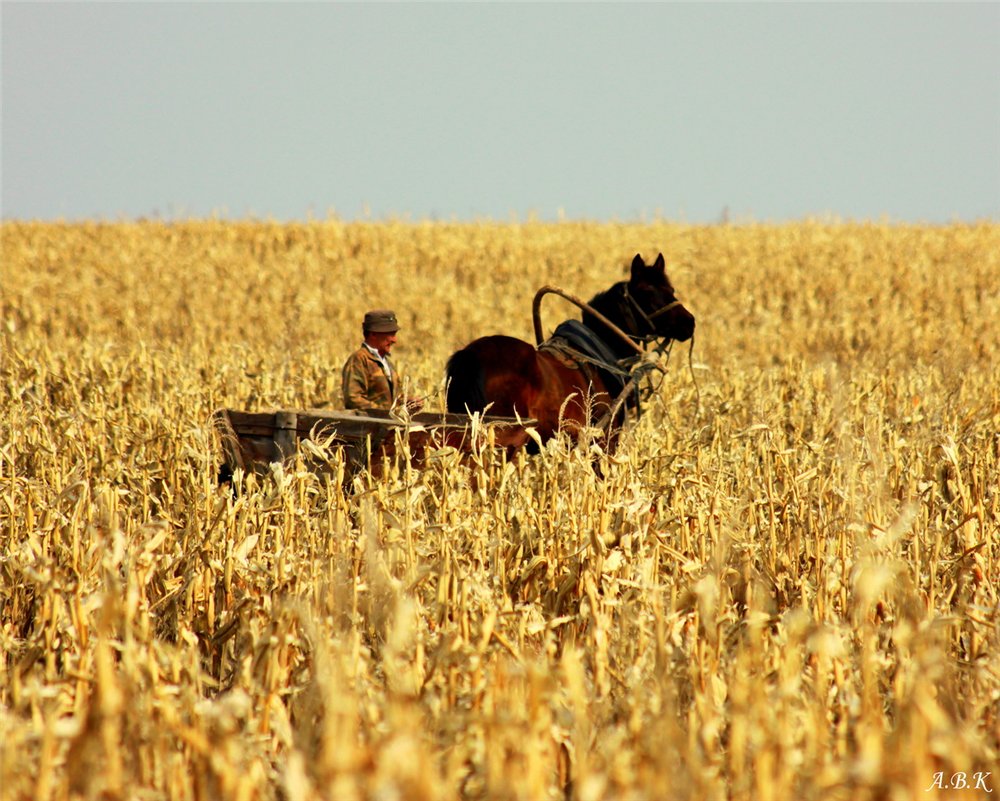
366 386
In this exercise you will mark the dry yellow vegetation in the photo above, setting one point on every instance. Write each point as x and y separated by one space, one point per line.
786 585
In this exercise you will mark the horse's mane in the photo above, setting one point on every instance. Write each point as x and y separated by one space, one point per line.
614 305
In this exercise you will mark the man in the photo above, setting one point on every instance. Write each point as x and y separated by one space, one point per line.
370 380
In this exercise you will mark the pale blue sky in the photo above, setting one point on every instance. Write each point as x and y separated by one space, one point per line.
598 111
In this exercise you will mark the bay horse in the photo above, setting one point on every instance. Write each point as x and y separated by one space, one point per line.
514 378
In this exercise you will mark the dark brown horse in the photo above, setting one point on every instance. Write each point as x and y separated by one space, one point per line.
512 377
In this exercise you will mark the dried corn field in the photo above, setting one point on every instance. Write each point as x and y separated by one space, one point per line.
784 586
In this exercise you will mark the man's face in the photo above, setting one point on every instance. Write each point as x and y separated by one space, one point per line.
382 342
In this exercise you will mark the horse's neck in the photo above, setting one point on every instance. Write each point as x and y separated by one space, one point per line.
613 305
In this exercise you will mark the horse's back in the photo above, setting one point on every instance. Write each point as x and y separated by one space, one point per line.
498 370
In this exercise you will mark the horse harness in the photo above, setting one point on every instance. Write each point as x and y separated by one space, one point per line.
645 316
579 348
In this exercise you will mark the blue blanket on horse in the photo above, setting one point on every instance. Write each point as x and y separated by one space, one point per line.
580 338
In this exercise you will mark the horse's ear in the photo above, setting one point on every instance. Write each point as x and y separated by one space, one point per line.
659 264
638 265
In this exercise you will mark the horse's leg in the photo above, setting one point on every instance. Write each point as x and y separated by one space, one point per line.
515 438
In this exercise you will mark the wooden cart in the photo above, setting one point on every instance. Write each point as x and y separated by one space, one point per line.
252 441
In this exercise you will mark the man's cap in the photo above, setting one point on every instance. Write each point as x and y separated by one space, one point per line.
381 321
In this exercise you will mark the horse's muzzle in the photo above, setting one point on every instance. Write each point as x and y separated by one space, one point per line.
681 325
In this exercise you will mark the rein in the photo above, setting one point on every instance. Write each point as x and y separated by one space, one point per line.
638 374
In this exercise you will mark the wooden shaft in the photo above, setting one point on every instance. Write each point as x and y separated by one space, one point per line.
536 307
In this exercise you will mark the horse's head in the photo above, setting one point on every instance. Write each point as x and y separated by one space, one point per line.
645 308
655 309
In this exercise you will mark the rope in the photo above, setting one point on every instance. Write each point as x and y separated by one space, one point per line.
694 379
559 344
